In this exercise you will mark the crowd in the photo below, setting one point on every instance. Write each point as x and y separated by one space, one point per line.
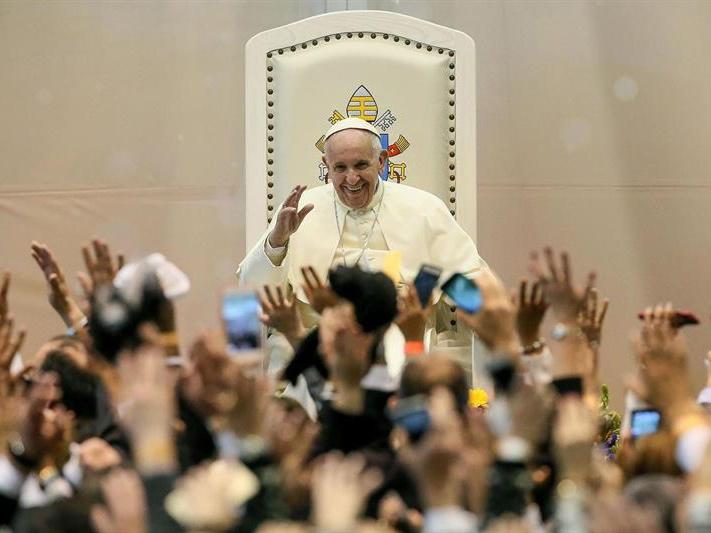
109 428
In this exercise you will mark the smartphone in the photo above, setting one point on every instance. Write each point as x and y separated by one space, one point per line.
463 292
425 282
240 317
679 319
644 422
411 414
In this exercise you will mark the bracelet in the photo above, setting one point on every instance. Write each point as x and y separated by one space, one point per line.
535 346
18 453
83 322
414 347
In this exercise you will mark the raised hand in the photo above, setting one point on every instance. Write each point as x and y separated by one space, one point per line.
101 268
9 345
590 318
44 428
340 487
210 497
566 300
289 217
437 460
495 322
346 348
412 317
662 357
148 405
124 508
573 435
281 314
531 308
320 296
57 290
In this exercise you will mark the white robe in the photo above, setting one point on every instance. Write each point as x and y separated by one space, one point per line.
413 221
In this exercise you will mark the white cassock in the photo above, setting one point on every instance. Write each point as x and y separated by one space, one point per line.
410 220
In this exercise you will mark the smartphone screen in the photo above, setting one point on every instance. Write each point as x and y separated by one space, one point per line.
426 281
411 414
240 315
644 422
463 292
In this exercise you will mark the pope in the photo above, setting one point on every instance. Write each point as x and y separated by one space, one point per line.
357 219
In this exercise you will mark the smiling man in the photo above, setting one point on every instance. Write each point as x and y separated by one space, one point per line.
356 220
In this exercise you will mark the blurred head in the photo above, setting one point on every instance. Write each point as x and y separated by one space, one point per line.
355 159
651 454
657 494
78 386
72 347
426 373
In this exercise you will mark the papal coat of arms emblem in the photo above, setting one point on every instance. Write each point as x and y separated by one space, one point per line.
362 105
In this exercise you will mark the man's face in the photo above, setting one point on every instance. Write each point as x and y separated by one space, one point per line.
354 166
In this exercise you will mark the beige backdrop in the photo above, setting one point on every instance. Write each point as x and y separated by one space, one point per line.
125 120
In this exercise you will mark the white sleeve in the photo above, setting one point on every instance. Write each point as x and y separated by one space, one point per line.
11 478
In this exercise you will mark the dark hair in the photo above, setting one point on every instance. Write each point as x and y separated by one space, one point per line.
425 373
79 387
116 314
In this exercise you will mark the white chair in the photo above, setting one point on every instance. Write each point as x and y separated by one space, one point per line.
413 79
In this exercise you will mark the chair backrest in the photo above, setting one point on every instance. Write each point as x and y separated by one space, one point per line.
414 80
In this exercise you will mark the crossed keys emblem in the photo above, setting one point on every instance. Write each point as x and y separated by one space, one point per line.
362 105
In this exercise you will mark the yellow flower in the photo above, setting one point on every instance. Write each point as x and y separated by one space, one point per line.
478 398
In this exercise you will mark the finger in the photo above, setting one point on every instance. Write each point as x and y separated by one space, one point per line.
17 343
668 313
280 296
536 294
413 297
289 201
316 278
266 306
88 261
550 262
658 313
565 261
5 287
305 211
270 296
38 259
105 255
603 312
522 290
299 191
86 284
592 304
590 283
36 252
54 283
6 331
307 281
534 266
101 519
98 251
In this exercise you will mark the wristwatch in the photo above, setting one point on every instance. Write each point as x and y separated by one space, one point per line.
18 453
562 331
